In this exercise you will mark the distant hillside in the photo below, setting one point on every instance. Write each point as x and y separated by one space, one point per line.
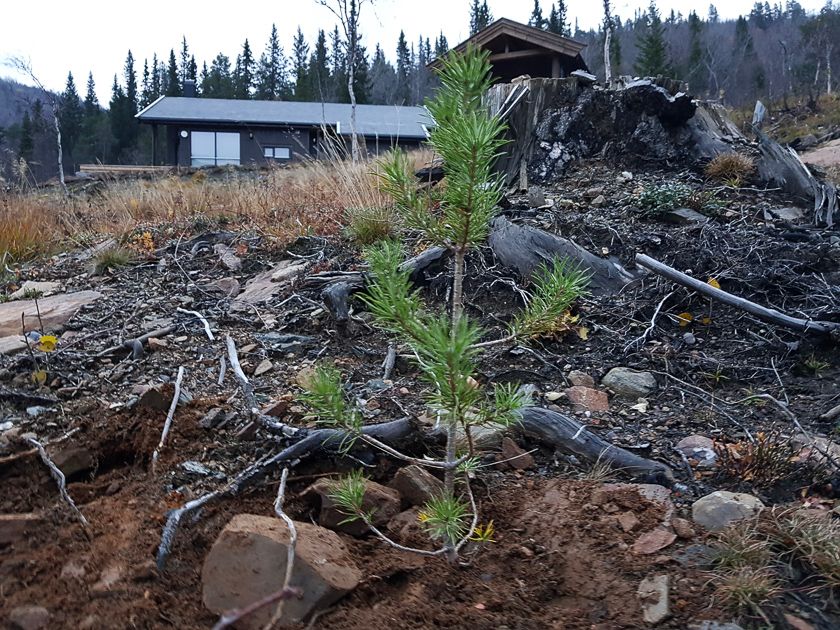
15 99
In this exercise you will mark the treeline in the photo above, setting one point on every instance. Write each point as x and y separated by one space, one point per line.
774 53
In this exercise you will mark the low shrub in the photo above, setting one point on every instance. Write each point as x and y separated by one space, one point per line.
733 168
656 199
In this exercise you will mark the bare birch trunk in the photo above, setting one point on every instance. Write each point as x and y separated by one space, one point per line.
60 153
828 50
607 65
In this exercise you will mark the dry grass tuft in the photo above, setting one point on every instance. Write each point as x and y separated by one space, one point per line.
732 168
24 229
366 226
747 588
813 540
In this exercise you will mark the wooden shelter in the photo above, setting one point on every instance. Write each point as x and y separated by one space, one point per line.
517 49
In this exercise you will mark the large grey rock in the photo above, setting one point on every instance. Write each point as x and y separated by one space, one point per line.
718 510
41 289
629 383
12 344
653 593
55 311
29 617
248 562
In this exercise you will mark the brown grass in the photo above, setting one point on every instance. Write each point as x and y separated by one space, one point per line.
284 203
730 167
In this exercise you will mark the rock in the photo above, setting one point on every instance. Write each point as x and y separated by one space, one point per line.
806 142
515 456
14 527
553 396
248 562
629 383
108 579
74 459
73 570
584 78
616 493
714 625
55 311
154 344
684 216
416 485
576 377
653 541
153 397
653 593
228 256
536 197
29 617
689 339
91 621
682 528
628 521
599 201
485 436
12 344
592 193
278 408
305 377
588 399
787 214
718 510
212 418
382 501
264 366
287 270
227 286
39 289
699 448
405 523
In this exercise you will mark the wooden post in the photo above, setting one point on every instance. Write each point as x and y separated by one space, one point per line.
555 67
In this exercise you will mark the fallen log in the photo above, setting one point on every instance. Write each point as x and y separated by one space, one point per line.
559 431
313 442
525 249
769 315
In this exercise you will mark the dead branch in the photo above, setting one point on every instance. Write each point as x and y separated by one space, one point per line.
136 344
768 315
244 383
60 482
203 321
290 550
169 416
232 616
560 431
640 341
313 442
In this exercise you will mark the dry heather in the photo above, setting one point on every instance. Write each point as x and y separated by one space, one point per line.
313 198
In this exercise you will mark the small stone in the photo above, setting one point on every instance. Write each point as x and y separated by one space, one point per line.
653 593
682 528
684 216
536 197
714 625
553 396
278 408
416 485
627 175
689 339
264 366
305 377
156 344
787 214
629 383
211 418
145 571
653 541
29 617
405 523
14 527
516 457
37 410
154 398
91 621
588 399
228 257
576 377
248 561
109 578
700 449
73 571
718 510
599 201
226 286
628 521
592 193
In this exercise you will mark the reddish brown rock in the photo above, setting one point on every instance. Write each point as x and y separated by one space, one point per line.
588 399
628 521
248 562
578 378
653 541
416 485
74 459
382 502
14 527
514 456
682 528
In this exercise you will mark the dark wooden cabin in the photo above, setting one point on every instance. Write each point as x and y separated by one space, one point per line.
518 49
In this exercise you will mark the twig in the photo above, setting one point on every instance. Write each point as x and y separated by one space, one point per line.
60 482
244 383
232 616
640 341
203 321
388 364
763 313
290 550
222 369
169 416
131 344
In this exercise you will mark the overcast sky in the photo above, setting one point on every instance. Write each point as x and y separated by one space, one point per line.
94 35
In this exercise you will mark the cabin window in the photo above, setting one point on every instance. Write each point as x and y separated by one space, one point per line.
210 148
277 153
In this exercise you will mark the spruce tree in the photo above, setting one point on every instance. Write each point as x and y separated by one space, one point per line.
652 58
156 83
218 82
271 76
441 45
697 73
537 20
183 67
172 76
300 55
70 115
319 69
338 68
480 16
145 86
403 87
243 74
26 145
91 104
383 79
